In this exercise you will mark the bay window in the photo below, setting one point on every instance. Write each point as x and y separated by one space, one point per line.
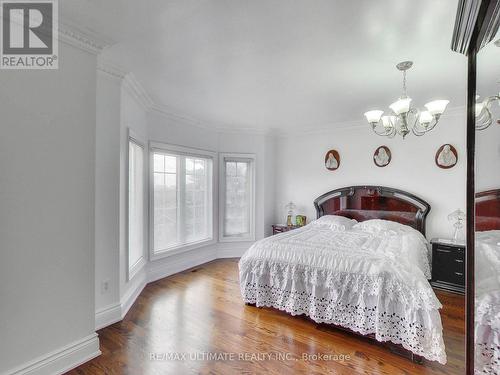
237 197
182 197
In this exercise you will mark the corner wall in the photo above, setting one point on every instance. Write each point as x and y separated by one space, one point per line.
47 154
302 176
123 104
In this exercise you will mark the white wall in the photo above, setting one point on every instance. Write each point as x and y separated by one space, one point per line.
47 151
118 110
488 158
302 176
107 206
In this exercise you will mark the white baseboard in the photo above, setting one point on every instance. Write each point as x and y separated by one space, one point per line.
108 315
63 359
114 313
177 263
162 268
128 299
232 249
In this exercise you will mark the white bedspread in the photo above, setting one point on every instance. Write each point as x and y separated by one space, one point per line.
487 304
370 283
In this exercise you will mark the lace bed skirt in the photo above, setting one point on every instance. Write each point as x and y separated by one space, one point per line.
349 302
487 334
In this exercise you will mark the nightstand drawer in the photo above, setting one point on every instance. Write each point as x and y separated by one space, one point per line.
277 228
448 268
456 252
450 276
449 256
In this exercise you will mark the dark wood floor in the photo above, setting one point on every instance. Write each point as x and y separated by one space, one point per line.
200 310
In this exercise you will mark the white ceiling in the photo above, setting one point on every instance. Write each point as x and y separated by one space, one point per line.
280 64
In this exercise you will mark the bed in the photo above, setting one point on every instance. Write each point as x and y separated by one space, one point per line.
487 283
367 280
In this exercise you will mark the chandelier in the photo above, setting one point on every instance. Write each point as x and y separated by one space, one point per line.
405 118
484 118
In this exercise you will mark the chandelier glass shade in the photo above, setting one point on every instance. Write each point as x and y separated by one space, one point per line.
485 111
404 118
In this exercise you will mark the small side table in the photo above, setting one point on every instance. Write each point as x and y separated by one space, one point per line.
448 265
280 228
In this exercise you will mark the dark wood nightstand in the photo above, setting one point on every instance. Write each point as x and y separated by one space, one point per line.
280 228
448 265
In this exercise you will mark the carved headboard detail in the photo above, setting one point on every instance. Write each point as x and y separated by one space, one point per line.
374 202
488 210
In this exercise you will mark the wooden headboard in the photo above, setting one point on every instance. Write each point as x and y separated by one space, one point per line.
374 202
488 210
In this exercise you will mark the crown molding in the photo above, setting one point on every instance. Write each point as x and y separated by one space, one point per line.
86 40
323 129
137 90
129 82
453 112
111 68
140 94
167 112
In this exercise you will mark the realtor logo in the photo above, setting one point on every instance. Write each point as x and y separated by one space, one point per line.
29 34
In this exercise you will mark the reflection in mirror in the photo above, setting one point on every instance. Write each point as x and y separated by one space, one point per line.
487 249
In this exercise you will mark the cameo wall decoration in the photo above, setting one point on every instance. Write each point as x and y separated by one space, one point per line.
446 156
382 156
332 160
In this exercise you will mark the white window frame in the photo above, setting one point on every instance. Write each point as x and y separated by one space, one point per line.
188 151
222 196
133 269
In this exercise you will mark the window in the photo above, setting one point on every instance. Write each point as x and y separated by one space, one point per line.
237 198
182 200
135 206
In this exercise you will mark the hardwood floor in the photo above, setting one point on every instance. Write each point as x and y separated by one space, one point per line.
200 311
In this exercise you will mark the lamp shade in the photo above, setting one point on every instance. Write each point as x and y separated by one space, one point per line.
373 116
401 106
425 117
437 107
456 215
290 206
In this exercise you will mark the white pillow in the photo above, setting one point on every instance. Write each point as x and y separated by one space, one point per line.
377 225
335 222
409 244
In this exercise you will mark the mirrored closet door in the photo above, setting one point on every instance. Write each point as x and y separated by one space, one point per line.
487 210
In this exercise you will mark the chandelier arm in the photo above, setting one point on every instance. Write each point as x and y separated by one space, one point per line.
490 100
393 132
418 133
433 124
381 134
416 113
482 127
485 119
